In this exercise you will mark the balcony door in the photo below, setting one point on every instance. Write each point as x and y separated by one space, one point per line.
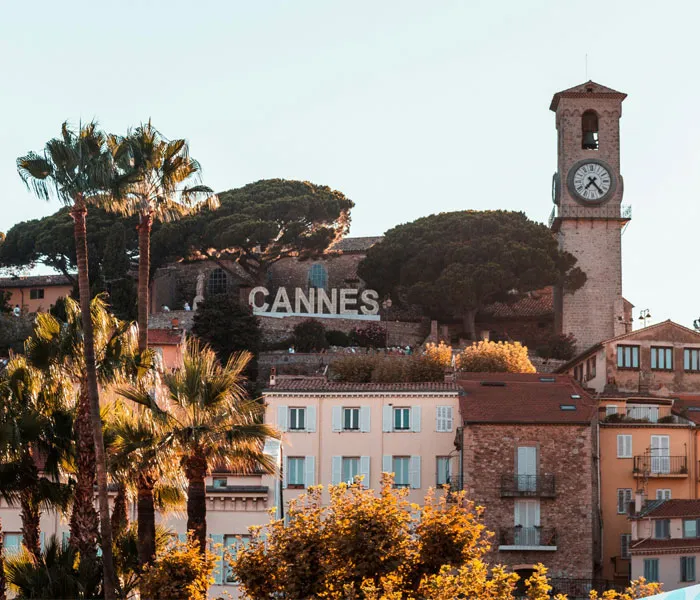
527 469
527 522
660 454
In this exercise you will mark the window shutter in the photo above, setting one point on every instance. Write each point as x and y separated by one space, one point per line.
415 418
282 413
386 419
620 446
310 468
337 418
336 469
285 470
311 418
448 418
364 470
364 419
439 419
414 472
387 466
628 446
218 573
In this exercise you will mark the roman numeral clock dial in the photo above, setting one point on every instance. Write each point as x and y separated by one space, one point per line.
591 182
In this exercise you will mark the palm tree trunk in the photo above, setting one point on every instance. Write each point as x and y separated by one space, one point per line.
3 580
195 471
83 520
144 228
146 519
120 518
79 214
31 522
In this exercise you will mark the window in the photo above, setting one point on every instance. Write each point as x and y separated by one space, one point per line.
12 542
624 497
691 359
297 419
687 568
220 482
318 276
590 368
402 419
643 412
690 528
443 415
661 358
295 472
351 469
400 466
351 419
567 407
610 409
444 470
625 540
628 357
217 282
662 529
663 494
651 569
232 544
589 130
36 294
578 372
624 446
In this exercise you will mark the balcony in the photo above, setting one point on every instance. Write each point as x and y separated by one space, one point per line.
532 486
541 539
648 465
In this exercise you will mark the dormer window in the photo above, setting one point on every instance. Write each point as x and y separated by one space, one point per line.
589 130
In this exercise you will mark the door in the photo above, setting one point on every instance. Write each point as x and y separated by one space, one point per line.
527 522
660 454
527 469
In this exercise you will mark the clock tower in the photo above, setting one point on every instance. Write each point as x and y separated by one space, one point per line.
588 216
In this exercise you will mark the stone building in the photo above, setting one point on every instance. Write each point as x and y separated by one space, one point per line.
529 457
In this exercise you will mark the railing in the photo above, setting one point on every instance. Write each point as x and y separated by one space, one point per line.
528 536
537 486
641 414
579 589
651 465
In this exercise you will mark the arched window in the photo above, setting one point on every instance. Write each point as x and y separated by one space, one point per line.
318 276
589 130
217 282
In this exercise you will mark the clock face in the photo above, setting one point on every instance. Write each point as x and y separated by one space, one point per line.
591 181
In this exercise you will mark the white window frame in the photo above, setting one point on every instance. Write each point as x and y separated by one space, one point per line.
624 497
624 445
354 413
444 420
350 478
405 460
625 543
294 412
443 466
301 474
405 418
663 494
217 482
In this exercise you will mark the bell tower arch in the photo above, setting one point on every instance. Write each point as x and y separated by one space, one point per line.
588 216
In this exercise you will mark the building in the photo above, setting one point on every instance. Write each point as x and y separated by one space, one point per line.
36 293
588 215
665 542
168 344
529 456
333 432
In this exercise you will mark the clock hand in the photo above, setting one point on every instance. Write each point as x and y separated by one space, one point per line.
591 182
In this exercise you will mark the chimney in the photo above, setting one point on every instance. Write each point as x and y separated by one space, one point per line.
273 376
175 323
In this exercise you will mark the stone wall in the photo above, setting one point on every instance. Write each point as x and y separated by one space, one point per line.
13 332
566 451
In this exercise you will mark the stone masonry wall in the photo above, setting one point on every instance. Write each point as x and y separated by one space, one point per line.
563 450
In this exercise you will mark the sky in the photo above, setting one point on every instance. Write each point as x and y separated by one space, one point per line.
409 108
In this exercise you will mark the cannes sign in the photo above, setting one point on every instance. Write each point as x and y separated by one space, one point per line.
336 304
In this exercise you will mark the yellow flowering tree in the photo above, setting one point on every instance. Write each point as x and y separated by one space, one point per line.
495 357
440 353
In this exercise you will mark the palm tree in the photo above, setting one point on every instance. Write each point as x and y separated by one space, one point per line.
75 169
152 181
56 346
36 425
212 423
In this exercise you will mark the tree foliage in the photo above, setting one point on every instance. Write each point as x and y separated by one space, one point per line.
309 336
495 357
378 368
372 335
453 264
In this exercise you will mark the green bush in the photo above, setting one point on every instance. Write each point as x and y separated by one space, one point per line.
387 369
354 369
337 338
309 336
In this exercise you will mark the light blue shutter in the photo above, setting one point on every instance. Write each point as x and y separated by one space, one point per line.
182 537
364 470
386 418
310 468
364 419
336 469
218 573
41 540
337 418
285 471
311 418
387 466
415 419
282 413
414 472
448 417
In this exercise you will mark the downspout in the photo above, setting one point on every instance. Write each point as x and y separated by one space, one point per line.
460 433
600 515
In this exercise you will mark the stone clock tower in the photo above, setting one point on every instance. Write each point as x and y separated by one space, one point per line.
588 216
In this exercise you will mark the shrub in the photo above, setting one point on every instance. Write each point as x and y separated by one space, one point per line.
309 336
387 369
558 346
424 368
355 369
337 338
182 573
495 357
370 336
440 353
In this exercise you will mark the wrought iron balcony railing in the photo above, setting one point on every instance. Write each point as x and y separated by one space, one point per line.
534 537
650 465
536 486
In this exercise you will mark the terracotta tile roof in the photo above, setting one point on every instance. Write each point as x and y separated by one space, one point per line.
674 509
581 91
165 337
318 384
35 281
534 304
666 546
524 398
688 406
356 244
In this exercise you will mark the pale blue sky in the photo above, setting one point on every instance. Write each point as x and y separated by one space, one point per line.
407 107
